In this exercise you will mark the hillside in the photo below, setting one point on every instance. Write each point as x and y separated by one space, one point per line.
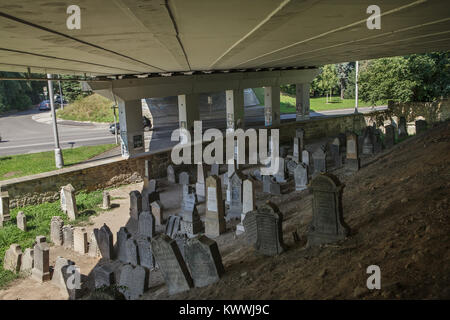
93 108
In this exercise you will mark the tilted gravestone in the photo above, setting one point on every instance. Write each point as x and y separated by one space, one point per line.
264 229
93 250
215 223
104 276
190 219
327 223
248 204
353 161
235 187
105 242
320 160
200 187
41 267
133 281
106 200
135 204
27 261
21 221
204 261
4 207
174 269
132 252
58 277
68 201
157 212
389 137
56 233
173 225
301 177
80 240
146 224
121 248
181 240
146 258
68 237
13 258
421 126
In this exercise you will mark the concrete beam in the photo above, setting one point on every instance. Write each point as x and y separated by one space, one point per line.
302 101
272 106
188 110
235 109
131 127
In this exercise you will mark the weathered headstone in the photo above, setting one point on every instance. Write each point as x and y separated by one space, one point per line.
68 201
271 186
133 281
121 246
353 160
58 277
335 150
290 166
80 240
204 261
421 126
327 223
106 200
41 267
320 160
104 276
280 175
157 211
173 225
4 207
300 134
56 233
172 174
200 188
76 287
215 223
135 204
93 245
184 178
368 142
146 258
235 187
13 258
68 237
147 198
215 169
248 204
264 229
402 131
105 242
377 143
21 221
27 261
297 152
305 157
389 137
181 240
257 175
190 219
172 265
146 224
301 177
132 252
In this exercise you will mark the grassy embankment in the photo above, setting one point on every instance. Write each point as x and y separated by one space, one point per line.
94 108
26 164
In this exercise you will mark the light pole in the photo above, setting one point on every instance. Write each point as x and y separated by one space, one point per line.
114 107
356 87
58 154
61 98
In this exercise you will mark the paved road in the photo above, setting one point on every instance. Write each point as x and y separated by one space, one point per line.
21 134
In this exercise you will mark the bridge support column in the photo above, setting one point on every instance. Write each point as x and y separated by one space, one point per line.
272 106
302 101
188 110
235 109
131 127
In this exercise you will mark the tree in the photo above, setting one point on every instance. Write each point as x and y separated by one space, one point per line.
343 71
328 79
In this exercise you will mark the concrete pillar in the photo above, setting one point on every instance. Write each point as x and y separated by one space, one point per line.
188 110
302 101
235 109
131 127
272 106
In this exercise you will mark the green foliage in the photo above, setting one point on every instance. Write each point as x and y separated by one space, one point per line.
72 90
18 95
38 224
91 108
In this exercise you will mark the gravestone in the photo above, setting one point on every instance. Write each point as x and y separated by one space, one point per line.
68 237
4 207
184 178
132 252
41 267
105 242
271 186
157 211
121 249
146 224
68 201
27 261
147 198
227 178
320 160
389 138
181 239
173 226
152 185
80 240
327 224
305 157
280 175
106 200
135 204
368 142
301 177
257 174
300 134
133 281
297 152
248 204
421 126
190 219
264 229
235 209
93 250
204 261
215 169
74 290
172 174
174 269
353 160
21 221
146 258
290 166
215 223
200 185
402 131
56 233
335 150
13 258
58 277
377 143
104 276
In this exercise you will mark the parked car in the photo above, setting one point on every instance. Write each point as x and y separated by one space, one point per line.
146 122
44 105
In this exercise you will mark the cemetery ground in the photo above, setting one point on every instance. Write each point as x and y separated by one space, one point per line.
396 206
15 166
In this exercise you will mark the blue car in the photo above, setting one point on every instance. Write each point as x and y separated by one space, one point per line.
44 105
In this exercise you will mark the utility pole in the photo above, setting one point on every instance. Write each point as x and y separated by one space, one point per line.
114 107
58 154
356 87
61 98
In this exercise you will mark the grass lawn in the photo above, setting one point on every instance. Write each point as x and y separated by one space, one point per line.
27 164
93 108
38 224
